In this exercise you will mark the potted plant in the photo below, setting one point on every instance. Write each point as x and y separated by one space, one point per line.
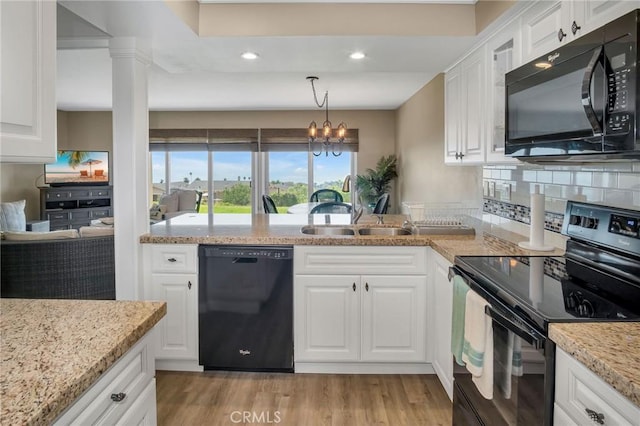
375 182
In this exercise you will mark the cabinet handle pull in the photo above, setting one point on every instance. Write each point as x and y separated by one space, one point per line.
459 155
354 287
172 259
366 286
561 34
117 397
575 27
189 285
594 416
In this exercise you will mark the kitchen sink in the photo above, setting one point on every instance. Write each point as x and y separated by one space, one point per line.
384 231
327 230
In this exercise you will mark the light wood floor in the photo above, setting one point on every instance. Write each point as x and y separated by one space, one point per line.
220 398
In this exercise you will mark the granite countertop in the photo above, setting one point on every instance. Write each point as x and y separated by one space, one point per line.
201 228
608 349
53 350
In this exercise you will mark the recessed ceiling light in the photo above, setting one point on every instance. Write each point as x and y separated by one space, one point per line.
249 55
357 55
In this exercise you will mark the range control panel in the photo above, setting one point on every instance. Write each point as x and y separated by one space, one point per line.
601 225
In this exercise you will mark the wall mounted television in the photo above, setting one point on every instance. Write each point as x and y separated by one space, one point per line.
73 168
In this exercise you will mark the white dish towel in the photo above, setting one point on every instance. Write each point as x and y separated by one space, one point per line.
478 344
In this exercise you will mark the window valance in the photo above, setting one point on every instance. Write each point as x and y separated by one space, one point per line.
254 140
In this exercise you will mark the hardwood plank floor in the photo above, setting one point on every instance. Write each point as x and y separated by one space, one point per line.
223 398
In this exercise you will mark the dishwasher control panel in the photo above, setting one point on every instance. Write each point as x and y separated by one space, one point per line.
269 252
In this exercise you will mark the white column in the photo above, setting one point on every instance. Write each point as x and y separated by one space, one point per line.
130 60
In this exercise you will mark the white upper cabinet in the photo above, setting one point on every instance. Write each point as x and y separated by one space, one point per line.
465 87
550 25
28 78
504 54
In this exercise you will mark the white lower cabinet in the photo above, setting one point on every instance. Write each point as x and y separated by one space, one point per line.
125 394
442 311
171 275
356 317
584 398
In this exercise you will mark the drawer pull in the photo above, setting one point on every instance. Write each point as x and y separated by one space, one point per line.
594 416
189 285
117 397
354 287
366 286
172 259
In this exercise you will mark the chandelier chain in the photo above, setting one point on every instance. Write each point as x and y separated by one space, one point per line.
315 96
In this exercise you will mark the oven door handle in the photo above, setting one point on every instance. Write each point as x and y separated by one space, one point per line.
532 337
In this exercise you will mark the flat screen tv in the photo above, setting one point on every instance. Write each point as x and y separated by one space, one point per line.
78 168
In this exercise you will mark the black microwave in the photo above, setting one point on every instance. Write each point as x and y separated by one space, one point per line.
579 102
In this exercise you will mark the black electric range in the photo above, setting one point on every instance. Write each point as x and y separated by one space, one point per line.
598 279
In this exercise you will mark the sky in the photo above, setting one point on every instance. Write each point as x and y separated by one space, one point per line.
283 166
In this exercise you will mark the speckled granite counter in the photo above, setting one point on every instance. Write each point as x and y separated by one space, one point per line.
611 350
53 350
285 230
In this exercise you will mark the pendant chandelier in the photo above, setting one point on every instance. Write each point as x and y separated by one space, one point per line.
324 143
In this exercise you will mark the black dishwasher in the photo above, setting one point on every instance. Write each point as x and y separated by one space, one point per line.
245 307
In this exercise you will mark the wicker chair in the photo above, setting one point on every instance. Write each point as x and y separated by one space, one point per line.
78 268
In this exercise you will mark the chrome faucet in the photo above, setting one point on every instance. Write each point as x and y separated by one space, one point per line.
380 220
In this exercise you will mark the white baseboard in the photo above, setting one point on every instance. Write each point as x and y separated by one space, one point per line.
178 365
363 368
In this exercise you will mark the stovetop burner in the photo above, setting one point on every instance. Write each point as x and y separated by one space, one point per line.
597 279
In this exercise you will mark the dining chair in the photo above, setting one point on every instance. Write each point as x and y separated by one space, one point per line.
331 207
382 204
269 205
322 195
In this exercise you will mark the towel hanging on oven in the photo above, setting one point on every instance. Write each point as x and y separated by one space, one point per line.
477 351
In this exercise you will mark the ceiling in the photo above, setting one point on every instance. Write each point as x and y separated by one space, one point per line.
207 73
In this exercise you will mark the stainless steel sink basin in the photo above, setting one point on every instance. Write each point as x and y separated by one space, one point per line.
327 230
384 231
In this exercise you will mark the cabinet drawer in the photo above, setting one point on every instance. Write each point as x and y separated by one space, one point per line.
129 376
98 213
578 389
100 193
355 260
59 195
174 258
80 214
52 216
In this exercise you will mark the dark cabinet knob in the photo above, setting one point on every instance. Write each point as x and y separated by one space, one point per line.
117 397
575 27
366 286
459 155
189 285
595 416
354 287
561 34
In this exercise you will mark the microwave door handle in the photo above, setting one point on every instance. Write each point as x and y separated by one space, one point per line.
529 336
586 92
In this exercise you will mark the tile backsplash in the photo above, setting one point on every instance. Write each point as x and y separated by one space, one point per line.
613 184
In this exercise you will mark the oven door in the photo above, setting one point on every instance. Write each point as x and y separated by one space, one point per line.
558 110
523 371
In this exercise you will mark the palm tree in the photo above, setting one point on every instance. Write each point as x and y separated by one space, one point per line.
376 182
75 158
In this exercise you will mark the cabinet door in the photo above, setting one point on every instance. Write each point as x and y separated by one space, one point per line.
27 78
143 412
327 318
474 87
503 55
442 311
454 114
591 14
540 28
178 330
394 318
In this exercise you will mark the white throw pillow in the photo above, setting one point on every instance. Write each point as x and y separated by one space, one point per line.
12 216
31 236
170 202
95 231
187 200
